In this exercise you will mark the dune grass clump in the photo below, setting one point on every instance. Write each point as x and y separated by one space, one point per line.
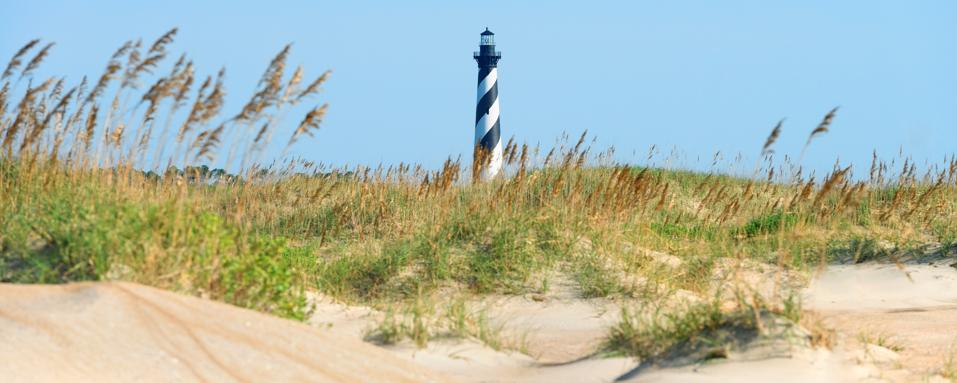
422 321
707 330
696 333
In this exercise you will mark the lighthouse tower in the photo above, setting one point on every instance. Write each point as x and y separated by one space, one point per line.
487 160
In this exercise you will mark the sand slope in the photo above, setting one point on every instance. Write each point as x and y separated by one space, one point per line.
913 306
122 332
808 366
470 361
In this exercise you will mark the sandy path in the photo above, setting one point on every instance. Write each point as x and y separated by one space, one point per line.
123 332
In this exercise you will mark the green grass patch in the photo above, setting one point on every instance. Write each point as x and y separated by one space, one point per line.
768 224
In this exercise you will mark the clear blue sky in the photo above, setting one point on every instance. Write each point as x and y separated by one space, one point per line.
701 76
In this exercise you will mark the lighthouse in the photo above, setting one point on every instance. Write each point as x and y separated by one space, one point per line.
487 159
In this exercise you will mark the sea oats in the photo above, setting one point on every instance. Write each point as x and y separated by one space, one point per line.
36 61
772 138
309 123
15 61
823 126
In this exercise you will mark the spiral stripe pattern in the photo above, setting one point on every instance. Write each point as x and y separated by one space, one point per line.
487 131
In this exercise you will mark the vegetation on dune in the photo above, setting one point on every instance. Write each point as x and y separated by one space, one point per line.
91 189
420 321
707 330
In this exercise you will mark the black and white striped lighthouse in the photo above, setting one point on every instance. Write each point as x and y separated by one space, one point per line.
487 160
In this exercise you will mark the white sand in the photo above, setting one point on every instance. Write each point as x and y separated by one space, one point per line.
809 366
560 332
559 326
122 332
882 287
913 306
126 332
470 361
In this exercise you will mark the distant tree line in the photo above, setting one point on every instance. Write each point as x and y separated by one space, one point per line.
203 173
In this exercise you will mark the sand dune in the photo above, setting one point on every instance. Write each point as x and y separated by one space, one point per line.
122 332
126 332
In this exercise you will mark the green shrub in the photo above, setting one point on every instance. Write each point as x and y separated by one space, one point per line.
83 237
